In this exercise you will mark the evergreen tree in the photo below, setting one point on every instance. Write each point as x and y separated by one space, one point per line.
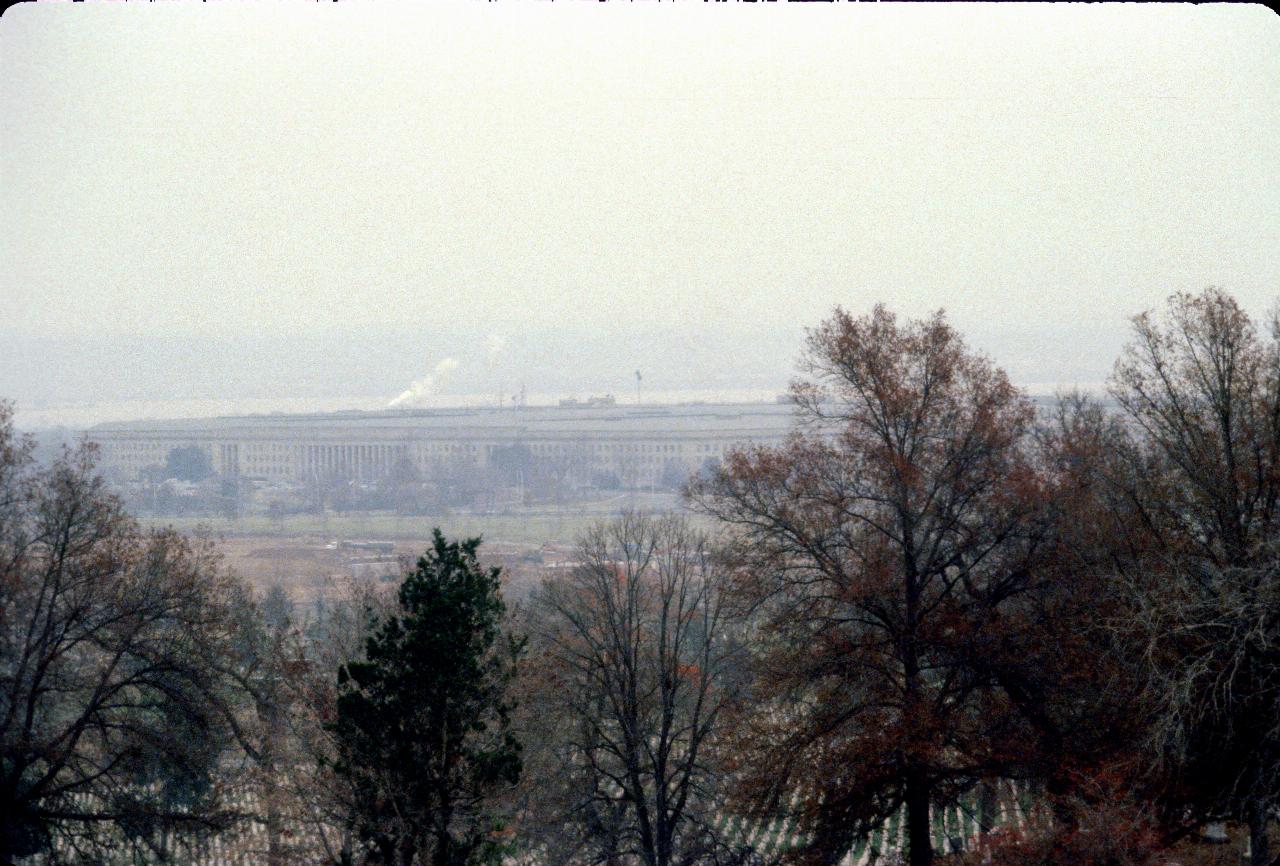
422 721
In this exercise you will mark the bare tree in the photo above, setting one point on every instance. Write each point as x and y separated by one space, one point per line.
1201 390
634 659
116 698
1204 391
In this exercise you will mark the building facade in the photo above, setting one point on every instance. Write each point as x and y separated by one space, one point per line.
639 444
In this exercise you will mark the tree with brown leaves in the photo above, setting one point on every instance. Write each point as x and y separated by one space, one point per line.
887 545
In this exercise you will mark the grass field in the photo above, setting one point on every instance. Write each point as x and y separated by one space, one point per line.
523 529
532 526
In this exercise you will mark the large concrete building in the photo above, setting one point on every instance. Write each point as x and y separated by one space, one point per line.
639 443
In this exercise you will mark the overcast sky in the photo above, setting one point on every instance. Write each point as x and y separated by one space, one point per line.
189 185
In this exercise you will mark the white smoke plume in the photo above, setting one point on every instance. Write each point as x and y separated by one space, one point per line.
494 346
424 386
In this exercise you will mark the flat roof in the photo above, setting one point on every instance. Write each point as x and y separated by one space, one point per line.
691 418
704 419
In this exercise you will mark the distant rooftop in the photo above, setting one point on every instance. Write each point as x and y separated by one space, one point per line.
569 419
573 418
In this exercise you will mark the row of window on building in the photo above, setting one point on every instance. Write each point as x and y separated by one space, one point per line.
279 459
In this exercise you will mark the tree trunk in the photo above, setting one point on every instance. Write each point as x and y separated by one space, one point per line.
988 803
919 845
275 848
443 855
269 713
1259 844
386 849
916 782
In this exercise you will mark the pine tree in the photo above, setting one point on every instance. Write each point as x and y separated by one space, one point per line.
422 721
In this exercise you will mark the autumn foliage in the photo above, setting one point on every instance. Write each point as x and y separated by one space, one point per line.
891 550
945 588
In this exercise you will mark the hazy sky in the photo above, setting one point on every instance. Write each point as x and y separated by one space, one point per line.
185 186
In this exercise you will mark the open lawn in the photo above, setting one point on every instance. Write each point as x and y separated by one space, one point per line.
557 525
523 529
299 552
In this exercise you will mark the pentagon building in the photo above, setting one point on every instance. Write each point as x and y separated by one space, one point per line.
640 444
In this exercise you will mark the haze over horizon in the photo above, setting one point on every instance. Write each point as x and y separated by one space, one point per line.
240 203
262 373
